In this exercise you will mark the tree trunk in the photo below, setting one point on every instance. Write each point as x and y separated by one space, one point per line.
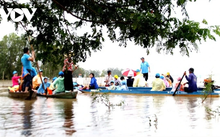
3 75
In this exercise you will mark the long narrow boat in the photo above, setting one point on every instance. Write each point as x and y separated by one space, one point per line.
22 95
63 95
146 91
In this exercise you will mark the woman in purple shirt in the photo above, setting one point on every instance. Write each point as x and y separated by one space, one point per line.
192 81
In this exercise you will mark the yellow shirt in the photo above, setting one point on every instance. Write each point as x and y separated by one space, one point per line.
158 85
36 81
139 81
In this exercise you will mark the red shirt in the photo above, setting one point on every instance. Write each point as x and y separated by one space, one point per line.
68 65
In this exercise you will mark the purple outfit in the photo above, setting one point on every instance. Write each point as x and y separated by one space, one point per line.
192 81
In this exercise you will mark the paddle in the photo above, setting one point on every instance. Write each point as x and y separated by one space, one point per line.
178 84
39 71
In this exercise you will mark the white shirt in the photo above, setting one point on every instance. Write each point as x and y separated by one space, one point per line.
108 79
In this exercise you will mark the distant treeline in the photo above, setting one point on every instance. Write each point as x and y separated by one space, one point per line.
11 51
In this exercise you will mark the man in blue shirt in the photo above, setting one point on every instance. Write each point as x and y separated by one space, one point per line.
192 81
145 68
26 62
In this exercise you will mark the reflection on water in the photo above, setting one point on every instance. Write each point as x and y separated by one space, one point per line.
151 116
27 117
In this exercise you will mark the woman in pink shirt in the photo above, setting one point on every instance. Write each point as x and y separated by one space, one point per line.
15 79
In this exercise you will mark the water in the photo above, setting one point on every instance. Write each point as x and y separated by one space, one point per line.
148 116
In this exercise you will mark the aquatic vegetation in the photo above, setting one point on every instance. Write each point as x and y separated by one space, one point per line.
104 99
207 90
212 113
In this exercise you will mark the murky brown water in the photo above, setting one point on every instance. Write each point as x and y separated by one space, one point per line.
151 116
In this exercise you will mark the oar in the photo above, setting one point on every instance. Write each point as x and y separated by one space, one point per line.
178 84
38 70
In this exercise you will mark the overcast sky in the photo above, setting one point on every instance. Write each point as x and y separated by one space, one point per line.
205 62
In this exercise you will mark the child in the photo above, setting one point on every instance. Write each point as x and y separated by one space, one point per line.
43 86
181 87
15 79
112 86
15 82
51 88
117 82
123 86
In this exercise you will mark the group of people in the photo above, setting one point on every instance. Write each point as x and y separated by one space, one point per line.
160 83
33 81
36 82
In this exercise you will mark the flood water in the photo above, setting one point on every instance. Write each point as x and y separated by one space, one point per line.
147 116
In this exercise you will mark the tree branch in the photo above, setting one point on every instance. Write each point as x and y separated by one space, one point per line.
73 14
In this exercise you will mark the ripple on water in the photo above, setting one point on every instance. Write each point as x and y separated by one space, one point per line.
151 116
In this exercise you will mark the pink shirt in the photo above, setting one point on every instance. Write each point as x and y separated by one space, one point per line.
166 83
15 81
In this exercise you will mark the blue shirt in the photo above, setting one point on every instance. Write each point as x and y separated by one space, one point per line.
192 81
26 63
93 83
144 67
41 89
33 72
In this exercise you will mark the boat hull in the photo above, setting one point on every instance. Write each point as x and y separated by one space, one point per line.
64 95
199 93
22 95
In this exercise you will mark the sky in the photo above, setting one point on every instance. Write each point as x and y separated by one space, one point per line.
205 61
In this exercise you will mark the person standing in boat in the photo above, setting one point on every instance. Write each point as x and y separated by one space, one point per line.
108 78
192 81
68 70
145 68
26 60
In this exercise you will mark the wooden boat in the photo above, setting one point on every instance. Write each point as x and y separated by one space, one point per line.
146 91
63 95
22 95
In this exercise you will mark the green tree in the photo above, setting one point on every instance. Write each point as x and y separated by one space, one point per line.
115 71
11 50
50 69
78 71
147 23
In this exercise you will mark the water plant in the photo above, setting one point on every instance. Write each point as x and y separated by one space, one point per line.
104 99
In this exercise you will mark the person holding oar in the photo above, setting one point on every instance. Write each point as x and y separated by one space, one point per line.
192 81
26 60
